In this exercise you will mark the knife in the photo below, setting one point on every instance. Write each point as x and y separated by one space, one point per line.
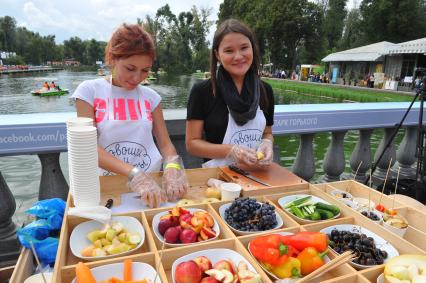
247 175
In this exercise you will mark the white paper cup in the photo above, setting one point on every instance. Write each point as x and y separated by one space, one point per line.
230 191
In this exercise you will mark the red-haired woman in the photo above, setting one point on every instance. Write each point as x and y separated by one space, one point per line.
128 115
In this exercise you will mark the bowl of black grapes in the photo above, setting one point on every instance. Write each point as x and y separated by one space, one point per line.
247 215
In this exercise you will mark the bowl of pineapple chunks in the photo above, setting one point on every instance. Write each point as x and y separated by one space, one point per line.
93 240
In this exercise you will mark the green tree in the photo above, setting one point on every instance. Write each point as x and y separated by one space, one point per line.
8 30
393 20
334 22
200 28
353 34
94 52
74 48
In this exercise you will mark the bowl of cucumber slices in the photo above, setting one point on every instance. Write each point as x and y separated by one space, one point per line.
307 209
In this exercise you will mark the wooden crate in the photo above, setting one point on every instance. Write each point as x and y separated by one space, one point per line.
113 187
24 267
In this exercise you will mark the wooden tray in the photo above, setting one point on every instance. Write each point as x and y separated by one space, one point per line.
113 187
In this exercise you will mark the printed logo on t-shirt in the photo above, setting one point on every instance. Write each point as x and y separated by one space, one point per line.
131 153
248 137
121 109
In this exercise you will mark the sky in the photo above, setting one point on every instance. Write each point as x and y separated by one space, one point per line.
97 19
89 19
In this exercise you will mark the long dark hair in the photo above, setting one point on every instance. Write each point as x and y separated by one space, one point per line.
231 26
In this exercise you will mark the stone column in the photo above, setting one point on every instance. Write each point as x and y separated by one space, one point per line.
334 160
52 182
362 152
380 172
9 244
406 154
304 166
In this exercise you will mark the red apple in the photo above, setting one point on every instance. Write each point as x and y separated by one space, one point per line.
187 272
207 233
185 220
163 225
172 235
225 264
203 263
209 279
187 236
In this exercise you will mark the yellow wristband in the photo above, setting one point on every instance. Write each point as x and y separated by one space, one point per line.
173 165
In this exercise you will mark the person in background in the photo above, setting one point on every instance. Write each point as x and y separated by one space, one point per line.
46 87
230 116
128 116
52 85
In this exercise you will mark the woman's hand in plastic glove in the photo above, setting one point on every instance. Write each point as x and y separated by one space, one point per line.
149 190
174 179
265 152
242 154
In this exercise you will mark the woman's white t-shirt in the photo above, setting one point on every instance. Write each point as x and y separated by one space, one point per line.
124 121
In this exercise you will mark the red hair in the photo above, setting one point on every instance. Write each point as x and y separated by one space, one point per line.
129 40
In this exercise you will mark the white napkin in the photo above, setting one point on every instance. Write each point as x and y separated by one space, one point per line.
98 213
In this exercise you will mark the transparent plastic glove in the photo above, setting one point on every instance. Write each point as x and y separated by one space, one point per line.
265 152
242 154
174 181
149 190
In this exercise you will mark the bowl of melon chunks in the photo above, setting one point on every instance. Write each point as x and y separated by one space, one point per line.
93 240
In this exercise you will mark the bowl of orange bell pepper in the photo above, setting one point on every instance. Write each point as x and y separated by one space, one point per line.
286 255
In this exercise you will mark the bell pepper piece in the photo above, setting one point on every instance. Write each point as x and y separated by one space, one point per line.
311 260
288 268
305 239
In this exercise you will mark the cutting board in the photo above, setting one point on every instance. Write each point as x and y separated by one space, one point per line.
279 178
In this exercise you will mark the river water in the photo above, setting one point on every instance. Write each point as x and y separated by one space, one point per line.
22 173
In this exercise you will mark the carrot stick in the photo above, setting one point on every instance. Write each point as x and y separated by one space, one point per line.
83 274
127 270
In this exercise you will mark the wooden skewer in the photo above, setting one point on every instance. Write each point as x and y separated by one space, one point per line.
38 261
384 183
341 259
356 173
369 196
396 186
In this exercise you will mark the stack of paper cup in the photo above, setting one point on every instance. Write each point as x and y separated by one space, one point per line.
77 121
83 160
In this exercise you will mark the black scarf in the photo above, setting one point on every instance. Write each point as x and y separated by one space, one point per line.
243 107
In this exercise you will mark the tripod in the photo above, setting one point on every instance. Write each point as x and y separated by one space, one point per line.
421 146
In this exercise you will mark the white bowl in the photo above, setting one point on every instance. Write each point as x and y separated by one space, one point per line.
326 258
363 203
225 206
284 200
398 231
140 271
376 212
339 194
156 220
349 203
214 255
379 241
79 241
37 278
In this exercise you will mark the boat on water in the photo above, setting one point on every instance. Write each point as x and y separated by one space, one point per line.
50 92
101 72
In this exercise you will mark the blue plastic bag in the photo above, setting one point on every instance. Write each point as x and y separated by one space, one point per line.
46 249
46 208
36 230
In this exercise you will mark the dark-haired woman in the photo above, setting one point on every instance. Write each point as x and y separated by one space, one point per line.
229 117
128 116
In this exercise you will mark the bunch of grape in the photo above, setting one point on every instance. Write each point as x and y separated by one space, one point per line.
246 214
